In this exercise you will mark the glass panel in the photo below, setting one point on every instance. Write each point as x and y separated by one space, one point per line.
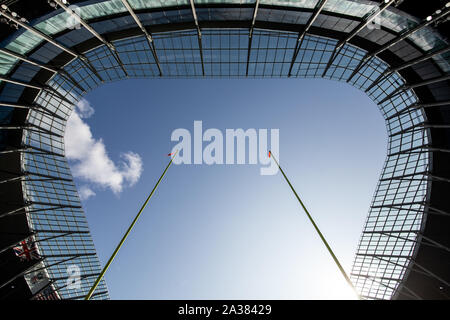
291 3
7 62
348 7
396 22
102 9
144 4
24 42
56 23
225 54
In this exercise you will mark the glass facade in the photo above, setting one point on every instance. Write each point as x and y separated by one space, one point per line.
399 205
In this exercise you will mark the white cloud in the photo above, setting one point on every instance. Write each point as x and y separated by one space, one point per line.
89 158
85 192
84 109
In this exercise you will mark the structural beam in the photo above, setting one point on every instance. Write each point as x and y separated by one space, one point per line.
370 297
416 106
368 19
36 108
419 149
438 211
51 206
61 72
76 255
12 212
420 126
36 262
83 276
28 173
56 237
444 12
392 231
406 64
199 34
43 36
398 205
301 35
53 264
424 173
35 86
379 281
427 82
28 148
250 35
21 83
59 205
424 270
25 174
58 231
147 34
48 209
24 237
374 255
11 180
432 242
417 60
31 127
12 150
41 151
93 295
108 44
25 59
376 277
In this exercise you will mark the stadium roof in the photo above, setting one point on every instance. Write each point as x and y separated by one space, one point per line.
53 52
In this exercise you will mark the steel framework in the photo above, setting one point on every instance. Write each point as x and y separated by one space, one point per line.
47 67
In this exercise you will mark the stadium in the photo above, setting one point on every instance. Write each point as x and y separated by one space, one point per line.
54 52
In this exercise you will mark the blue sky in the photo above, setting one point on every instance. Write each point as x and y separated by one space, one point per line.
225 231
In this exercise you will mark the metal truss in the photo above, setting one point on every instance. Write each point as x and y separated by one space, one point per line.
424 270
199 34
301 35
409 141
147 34
108 44
435 18
395 234
407 64
33 128
50 40
93 295
14 211
419 149
250 35
51 206
21 83
22 273
368 19
24 148
24 236
378 280
418 84
416 106
36 108
41 66
401 205
420 126
35 86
